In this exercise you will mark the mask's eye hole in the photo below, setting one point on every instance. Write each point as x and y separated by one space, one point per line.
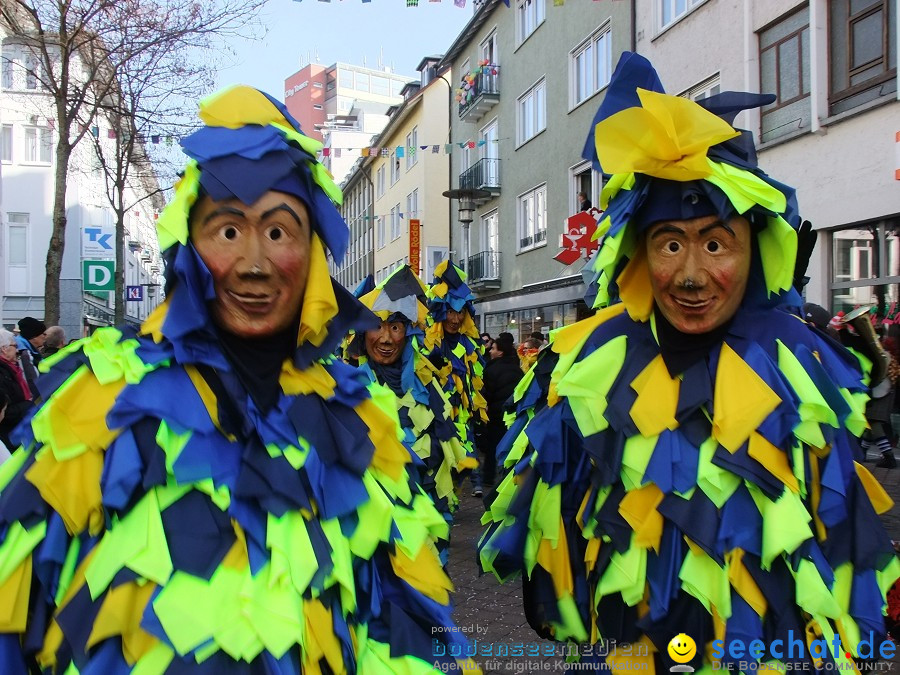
673 246
275 233
712 246
230 232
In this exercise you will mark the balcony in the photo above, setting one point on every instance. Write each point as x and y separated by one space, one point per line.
481 94
483 271
482 175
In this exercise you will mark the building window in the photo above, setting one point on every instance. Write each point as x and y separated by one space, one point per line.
317 106
670 10
17 251
395 222
361 82
862 52
317 85
6 69
529 15
709 87
531 219
784 71
380 86
865 261
412 204
532 108
591 65
412 143
395 168
379 181
38 145
31 72
6 142
379 231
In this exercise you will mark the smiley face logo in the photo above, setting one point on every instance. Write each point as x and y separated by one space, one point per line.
682 648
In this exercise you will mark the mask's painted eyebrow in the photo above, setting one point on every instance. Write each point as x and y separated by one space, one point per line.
666 229
719 223
222 210
283 207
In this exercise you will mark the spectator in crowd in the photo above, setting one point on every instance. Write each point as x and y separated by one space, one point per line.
501 375
54 340
30 339
486 340
13 386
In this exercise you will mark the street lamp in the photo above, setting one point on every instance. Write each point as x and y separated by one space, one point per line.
467 198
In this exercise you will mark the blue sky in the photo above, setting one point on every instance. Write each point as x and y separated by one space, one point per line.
343 30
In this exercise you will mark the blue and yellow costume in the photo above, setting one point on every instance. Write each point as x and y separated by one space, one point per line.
460 357
159 518
425 413
718 495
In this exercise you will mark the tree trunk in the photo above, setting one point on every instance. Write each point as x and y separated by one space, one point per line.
57 244
119 299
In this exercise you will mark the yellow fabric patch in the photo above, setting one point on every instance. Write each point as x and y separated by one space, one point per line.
667 138
773 459
319 301
742 400
71 488
314 380
424 573
320 639
657 399
638 508
121 614
635 288
390 456
881 502
74 418
555 559
153 324
14 595
742 581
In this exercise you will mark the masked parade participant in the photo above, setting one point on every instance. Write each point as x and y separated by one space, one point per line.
689 486
214 493
391 355
453 344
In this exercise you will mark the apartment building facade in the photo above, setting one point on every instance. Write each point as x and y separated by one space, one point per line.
529 80
832 133
27 165
393 201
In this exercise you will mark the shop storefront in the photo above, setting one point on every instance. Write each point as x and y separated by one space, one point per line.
865 267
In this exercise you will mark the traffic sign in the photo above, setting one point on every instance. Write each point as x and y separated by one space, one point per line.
98 275
134 293
98 242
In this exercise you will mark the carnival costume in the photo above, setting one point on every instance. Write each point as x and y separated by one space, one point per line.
702 484
459 357
425 413
165 514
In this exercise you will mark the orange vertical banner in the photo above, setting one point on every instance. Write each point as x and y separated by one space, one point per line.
414 245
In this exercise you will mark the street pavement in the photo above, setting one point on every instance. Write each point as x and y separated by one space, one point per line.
490 613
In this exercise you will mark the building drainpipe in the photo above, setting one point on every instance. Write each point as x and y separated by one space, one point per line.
633 25
449 169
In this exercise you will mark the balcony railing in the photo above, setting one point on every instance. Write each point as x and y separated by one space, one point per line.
482 175
482 95
538 238
484 270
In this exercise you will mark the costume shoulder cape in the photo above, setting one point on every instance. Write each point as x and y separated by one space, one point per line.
727 503
429 434
156 521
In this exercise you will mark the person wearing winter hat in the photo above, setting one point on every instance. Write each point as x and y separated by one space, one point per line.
691 470
30 340
215 492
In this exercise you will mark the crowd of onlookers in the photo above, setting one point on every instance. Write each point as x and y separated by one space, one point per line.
21 350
